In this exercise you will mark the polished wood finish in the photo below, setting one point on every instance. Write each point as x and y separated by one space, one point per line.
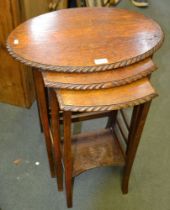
68 157
86 151
125 119
111 119
106 99
41 99
70 41
16 80
89 150
77 117
121 130
95 149
74 40
137 124
99 80
55 127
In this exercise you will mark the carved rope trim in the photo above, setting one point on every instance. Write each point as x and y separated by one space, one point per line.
105 107
84 68
98 85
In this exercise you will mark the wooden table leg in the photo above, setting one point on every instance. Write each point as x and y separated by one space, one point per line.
39 117
55 127
112 119
68 156
137 124
41 100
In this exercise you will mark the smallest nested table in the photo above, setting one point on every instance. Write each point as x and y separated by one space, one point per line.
102 148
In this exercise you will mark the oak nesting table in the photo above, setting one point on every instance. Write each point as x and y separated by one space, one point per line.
93 61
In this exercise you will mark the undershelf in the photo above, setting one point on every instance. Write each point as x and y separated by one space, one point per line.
95 149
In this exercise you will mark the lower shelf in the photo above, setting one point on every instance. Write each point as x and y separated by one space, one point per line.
95 149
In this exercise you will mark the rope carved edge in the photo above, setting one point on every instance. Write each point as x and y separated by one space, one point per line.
93 86
84 69
105 107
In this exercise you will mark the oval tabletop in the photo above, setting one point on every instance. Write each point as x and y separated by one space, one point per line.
85 39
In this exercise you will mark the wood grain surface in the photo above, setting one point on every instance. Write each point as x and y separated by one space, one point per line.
95 149
99 80
16 80
71 40
106 99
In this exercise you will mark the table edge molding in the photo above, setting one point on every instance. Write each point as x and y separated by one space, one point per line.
105 107
85 69
102 85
